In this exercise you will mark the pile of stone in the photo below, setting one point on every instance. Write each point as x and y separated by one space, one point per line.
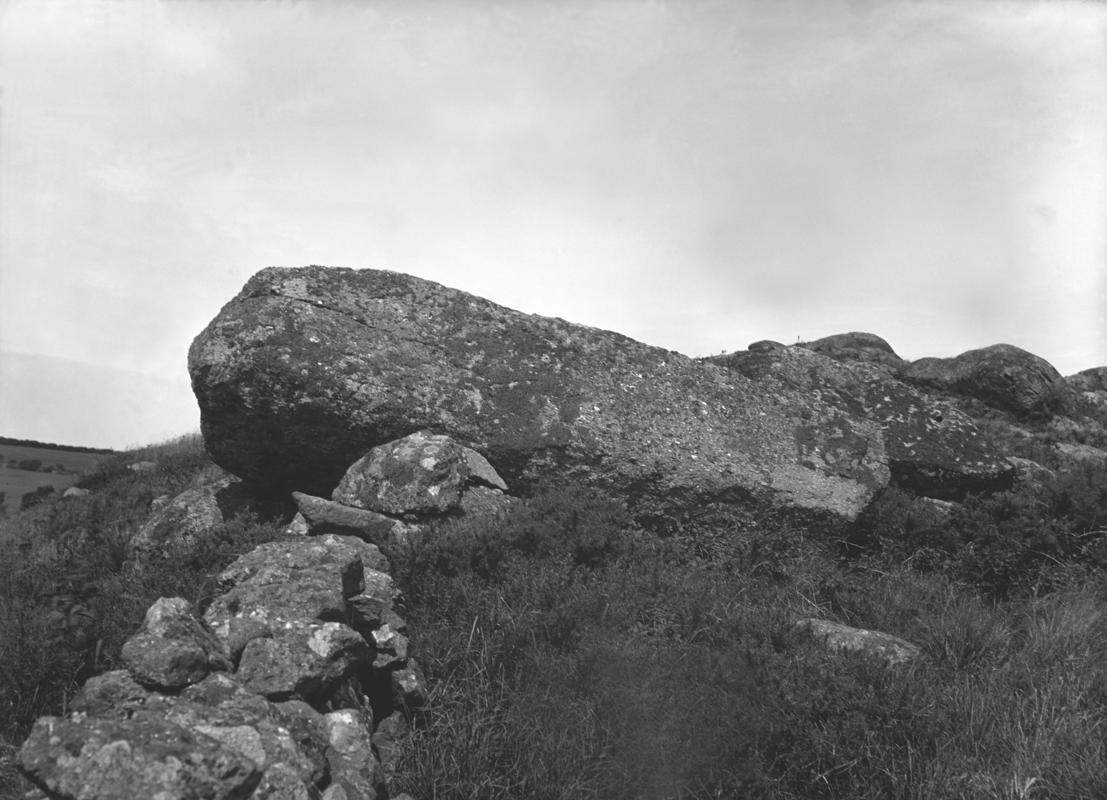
296 681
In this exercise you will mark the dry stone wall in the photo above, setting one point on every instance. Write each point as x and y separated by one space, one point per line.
296 682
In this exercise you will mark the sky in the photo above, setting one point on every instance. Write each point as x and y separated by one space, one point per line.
695 174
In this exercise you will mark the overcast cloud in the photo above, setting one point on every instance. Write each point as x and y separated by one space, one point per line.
696 175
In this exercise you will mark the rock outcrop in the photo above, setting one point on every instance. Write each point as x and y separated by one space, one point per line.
1089 380
1091 386
306 369
1002 376
932 448
857 346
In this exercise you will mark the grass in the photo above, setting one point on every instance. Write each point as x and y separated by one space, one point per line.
571 654
652 673
14 483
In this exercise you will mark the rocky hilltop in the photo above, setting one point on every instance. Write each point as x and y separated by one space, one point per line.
306 369
385 405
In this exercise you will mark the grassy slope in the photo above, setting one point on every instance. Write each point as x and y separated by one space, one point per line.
572 655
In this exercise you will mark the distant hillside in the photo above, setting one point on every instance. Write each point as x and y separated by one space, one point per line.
68 448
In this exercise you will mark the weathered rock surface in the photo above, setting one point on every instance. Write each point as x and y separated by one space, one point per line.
857 346
419 474
1089 380
1091 386
1002 376
835 636
306 369
183 520
322 516
173 648
286 718
145 756
931 448
302 660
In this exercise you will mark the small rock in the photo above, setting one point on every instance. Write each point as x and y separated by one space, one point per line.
354 766
409 686
836 636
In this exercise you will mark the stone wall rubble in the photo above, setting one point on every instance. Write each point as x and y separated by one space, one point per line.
296 682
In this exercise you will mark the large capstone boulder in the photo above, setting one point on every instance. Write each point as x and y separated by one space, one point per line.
932 448
857 346
1002 376
307 369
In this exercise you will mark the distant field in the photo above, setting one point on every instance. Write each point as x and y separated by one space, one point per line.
17 482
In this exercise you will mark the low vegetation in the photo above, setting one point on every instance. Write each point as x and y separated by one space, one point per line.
69 596
571 654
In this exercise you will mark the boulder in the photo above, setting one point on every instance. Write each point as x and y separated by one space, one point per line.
835 636
303 660
857 346
274 736
1002 376
354 768
182 521
418 475
307 369
144 756
932 448
173 648
1089 380
1071 452
1091 386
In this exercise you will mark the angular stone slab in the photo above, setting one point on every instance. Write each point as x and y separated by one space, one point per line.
327 516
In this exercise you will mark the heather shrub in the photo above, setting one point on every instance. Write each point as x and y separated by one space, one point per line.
1029 540
669 668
